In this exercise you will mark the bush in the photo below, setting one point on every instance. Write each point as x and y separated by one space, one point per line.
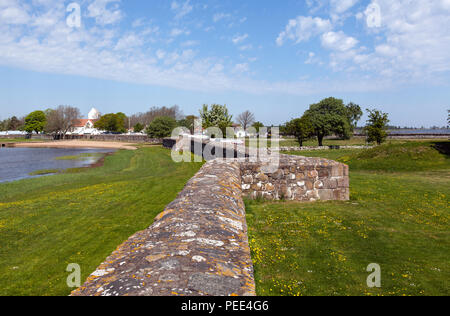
161 127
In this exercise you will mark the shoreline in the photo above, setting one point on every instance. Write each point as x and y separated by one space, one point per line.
76 144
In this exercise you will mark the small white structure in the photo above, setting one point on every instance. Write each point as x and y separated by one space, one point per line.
94 114
86 126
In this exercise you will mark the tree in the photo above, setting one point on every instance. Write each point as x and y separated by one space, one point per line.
216 117
113 123
246 119
188 122
302 128
138 128
61 120
329 116
154 112
354 114
161 127
257 126
448 118
14 124
376 127
35 122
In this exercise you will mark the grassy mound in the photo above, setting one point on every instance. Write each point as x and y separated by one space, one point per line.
409 156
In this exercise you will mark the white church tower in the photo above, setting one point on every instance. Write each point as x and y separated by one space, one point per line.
94 114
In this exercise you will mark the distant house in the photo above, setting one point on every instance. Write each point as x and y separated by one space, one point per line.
86 126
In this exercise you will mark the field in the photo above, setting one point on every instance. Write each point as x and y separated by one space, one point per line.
398 217
49 222
291 142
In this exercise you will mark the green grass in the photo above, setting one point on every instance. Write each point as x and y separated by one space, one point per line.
82 156
81 217
392 157
20 140
44 172
397 218
355 141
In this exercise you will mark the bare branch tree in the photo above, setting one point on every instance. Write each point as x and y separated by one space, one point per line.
246 119
154 112
62 120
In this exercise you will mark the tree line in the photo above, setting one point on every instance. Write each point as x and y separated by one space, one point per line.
332 117
328 117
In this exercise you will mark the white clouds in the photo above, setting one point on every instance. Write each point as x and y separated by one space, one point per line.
177 32
417 43
241 68
181 10
103 15
237 39
340 6
410 43
338 41
246 47
302 29
189 43
128 42
11 12
220 16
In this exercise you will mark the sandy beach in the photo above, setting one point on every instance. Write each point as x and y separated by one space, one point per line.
77 144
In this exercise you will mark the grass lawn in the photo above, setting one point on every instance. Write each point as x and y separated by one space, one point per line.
48 222
20 140
354 141
398 217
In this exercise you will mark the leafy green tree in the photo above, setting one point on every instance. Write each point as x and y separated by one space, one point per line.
188 122
161 127
35 122
377 126
114 123
302 128
257 126
448 118
329 116
354 114
138 128
216 117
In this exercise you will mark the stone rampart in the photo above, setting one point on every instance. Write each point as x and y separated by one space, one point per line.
197 246
296 178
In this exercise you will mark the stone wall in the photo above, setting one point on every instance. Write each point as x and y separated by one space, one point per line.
297 178
292 177
197 246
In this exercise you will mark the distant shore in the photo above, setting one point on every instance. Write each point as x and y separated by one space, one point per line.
76 144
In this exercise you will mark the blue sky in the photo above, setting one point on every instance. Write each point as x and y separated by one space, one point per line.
271 57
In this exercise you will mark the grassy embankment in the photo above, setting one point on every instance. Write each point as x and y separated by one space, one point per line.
20 140
290 142
398 217
81 217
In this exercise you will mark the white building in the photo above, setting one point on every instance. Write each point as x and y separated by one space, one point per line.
86 126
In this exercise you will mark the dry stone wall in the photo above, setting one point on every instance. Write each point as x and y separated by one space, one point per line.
297 178
197 246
